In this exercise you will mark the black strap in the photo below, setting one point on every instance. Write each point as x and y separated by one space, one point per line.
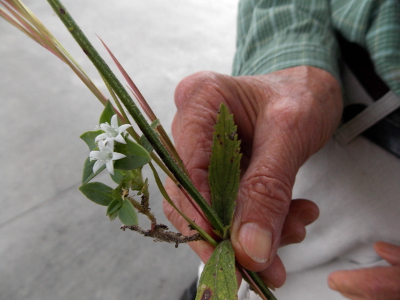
386 132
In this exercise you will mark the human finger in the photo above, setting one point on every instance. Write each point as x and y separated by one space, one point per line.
378 283
389 252
301 213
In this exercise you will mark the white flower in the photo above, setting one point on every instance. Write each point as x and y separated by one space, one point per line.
112 132
105 155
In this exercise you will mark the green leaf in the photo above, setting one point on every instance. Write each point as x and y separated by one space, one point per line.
127 214
136 156
112 209
113 216
107 113
136 179
89 136
224 170
98 192
145 188
87 173
155 123
218 280
118 176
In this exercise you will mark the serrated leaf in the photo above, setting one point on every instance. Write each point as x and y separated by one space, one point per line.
224 170
98 192
127 214
89 136
218 280
136 156
107 113
87 173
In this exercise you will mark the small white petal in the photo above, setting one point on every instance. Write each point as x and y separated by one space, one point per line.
109 145
124 127
101 137
110 167
94 155
114 121
97 165
120 139
106 142
101 145
117 156
106 127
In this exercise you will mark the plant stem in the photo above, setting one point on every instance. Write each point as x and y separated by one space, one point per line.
260 284
200 230
125 98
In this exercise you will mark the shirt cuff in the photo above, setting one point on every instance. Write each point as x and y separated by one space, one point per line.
288 51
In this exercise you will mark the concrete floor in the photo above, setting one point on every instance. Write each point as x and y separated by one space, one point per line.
54 243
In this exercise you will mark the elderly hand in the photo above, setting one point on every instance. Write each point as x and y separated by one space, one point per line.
378 283
282 118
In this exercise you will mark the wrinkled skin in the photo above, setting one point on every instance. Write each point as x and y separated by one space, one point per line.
283 118
378 283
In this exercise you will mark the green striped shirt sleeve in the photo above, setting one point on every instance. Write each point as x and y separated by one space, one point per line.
278 34
374 25
274 35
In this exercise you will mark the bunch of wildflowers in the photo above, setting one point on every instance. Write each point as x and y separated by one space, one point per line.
111 148
106 155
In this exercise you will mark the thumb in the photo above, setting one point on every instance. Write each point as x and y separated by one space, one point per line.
262 205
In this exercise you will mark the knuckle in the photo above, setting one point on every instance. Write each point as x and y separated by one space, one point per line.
195 86
269 196
289 112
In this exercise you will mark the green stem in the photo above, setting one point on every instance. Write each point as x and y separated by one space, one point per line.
135 136
261 285
125 98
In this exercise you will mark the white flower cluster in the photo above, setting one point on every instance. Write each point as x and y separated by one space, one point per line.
106 155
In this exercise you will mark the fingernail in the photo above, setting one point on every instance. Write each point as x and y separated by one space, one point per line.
256 241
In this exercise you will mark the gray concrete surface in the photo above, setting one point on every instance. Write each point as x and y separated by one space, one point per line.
54 243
